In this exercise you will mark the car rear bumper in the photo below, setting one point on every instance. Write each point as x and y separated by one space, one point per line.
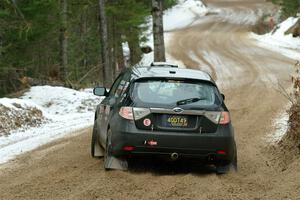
218 146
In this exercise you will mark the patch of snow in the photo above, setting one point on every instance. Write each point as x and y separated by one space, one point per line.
279 42
183 14
11 103
59 100
242 16
126 52
280 127
67 110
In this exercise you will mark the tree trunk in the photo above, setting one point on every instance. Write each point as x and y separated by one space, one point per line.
83 39
134 48
1 46
112 41
64 41
158 31
107 72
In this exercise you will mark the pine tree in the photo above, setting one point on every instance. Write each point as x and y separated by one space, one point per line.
30 45
290 8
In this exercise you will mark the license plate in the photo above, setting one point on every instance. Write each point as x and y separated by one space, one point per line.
177 121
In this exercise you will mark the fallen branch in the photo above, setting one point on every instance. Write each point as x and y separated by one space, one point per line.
84 76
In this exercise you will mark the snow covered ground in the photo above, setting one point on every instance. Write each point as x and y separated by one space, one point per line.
277 41
65 110
179 16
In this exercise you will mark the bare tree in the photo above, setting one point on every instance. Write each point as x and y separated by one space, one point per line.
64 40
158 31
107 71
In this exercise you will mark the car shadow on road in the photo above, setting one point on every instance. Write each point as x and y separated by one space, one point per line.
160 167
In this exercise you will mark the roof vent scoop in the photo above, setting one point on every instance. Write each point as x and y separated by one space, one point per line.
163 64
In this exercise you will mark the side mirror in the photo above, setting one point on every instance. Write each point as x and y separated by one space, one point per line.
223 96
100 91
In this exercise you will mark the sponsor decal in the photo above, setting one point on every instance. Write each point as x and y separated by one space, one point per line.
151 142
147 122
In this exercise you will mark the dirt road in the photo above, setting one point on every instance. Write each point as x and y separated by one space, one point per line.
247 74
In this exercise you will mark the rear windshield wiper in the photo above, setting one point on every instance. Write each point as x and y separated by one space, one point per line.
188 101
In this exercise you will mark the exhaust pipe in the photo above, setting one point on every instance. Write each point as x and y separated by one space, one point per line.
174 156
211 158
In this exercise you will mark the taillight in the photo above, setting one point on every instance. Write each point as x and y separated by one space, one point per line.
134 113
218 117
128 148
225 118
139 113
221 152
213 116
126 113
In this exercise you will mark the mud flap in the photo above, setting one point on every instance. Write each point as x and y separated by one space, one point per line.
112 162
98 150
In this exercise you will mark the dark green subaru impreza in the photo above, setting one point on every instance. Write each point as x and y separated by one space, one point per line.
163 110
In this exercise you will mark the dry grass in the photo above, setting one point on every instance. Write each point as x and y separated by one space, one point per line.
18 118
289 146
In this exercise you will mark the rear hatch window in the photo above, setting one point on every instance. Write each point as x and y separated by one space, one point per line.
168 94
171 92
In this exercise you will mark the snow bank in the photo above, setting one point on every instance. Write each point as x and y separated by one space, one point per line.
279 42
66 110
61 101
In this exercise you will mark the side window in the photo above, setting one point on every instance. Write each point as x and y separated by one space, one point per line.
120 85
114 87
123 85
